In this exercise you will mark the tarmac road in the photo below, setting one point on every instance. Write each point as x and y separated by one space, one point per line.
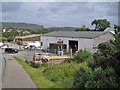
1 68
15 76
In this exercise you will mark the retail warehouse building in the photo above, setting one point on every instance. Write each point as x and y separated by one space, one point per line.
75 40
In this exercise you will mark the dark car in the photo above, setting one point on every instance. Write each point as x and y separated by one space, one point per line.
11 50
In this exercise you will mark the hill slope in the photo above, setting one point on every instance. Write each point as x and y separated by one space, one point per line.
32 26
20 25
62 28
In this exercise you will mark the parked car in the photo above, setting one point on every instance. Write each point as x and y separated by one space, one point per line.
39 47
11 50
25 46
42 54
4 46
32 47
1 43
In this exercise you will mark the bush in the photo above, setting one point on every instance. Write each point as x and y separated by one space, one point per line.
81 77
68 60
82 56
106 55
91 62
3 39
62 73
97 78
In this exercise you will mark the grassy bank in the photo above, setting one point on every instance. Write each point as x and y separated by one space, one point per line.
36 74
52 76
62 74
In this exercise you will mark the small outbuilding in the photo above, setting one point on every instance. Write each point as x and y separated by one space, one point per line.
75 40
27 39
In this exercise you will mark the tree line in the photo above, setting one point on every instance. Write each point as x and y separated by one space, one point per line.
11 32
100 25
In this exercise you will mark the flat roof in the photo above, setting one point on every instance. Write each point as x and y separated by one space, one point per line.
76 34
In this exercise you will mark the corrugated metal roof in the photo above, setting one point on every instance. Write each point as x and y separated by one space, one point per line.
28 36
75 34
111 29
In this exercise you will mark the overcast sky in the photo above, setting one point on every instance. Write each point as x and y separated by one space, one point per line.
51 14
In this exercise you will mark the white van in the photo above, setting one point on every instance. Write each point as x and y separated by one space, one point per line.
1 43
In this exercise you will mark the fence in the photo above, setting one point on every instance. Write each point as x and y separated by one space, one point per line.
68 51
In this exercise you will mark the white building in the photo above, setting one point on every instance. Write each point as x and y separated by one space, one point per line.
4 30
75 40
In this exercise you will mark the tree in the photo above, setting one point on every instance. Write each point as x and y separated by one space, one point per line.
116 28
108 54
101 24
83 28
11 34
104 56
116 43
35 31
95 78
39 31
106 71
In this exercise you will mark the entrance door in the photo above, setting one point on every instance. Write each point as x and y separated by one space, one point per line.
54 47
73 45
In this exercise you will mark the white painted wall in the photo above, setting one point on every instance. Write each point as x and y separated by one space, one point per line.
103 38
82 42
46 40
85 43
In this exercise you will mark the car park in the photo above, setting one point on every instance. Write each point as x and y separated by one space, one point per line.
32 47
42 54
39 47
1 43
25 46
11 50
4 46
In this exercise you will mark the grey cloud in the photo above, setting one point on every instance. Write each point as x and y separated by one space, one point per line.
59 13
64 8
67 8
113 10
52 7
77 11
10 6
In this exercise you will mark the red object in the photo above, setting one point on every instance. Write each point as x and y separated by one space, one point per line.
60 41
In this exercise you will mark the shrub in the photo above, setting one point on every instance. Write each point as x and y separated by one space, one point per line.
82 56
62 73
97 78
81 77
3 39
91 62
68 60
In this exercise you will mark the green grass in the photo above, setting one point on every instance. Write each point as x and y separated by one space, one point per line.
36 74
63 74
53 76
